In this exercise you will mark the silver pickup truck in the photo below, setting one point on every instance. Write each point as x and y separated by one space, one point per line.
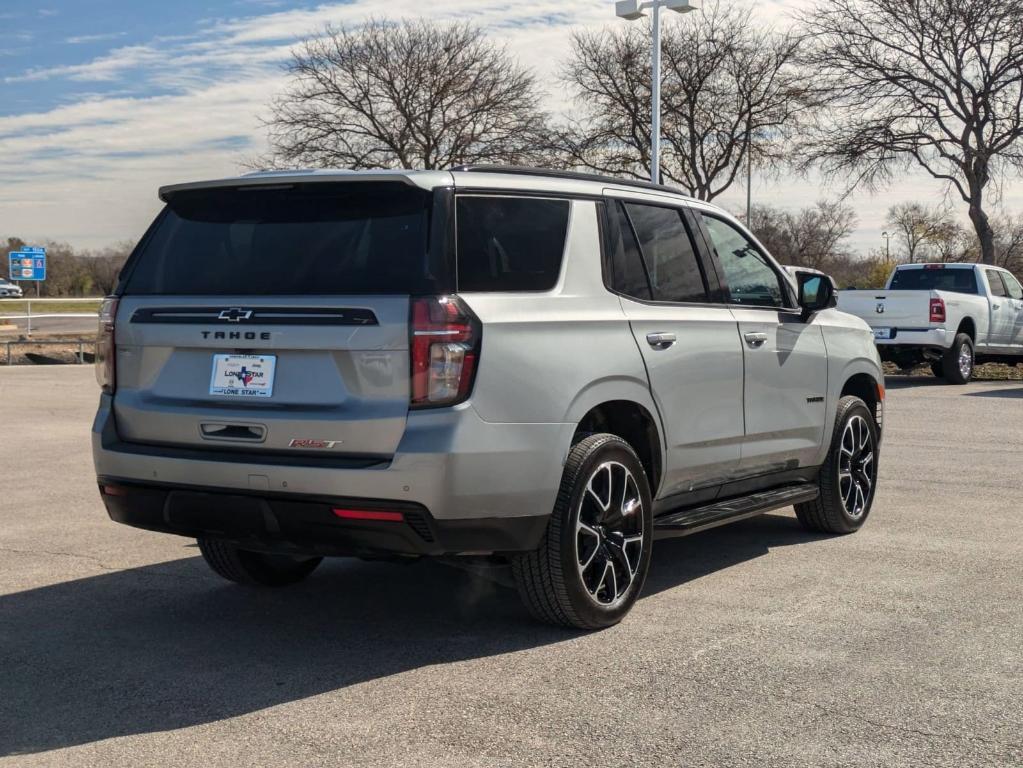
948 315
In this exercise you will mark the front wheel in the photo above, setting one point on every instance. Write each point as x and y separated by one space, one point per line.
848 477
255 568
957 362
592 562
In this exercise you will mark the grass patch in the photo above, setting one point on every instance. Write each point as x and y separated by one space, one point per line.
985 372
20 306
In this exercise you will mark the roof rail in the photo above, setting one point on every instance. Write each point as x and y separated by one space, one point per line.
525 170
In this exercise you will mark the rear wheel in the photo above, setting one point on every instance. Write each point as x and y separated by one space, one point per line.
592 562
255 568
957 362
848 476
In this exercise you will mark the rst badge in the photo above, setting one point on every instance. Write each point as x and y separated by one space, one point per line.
305 442
243 375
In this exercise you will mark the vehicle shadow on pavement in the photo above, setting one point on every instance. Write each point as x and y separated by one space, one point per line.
907 382
1010 393
169 645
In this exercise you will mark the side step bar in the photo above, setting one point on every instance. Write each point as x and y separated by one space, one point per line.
687 521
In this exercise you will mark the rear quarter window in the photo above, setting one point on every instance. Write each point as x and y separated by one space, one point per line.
509 243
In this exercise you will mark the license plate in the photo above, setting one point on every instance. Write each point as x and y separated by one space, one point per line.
243 375
882 333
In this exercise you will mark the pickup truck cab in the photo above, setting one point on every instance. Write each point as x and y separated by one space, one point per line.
952 316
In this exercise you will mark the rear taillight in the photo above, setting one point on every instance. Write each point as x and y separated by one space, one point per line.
937 310
445 347
105 346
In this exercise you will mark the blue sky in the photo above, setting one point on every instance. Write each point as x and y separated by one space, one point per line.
67 51
102 101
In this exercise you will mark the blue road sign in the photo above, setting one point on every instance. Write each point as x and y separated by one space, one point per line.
28 264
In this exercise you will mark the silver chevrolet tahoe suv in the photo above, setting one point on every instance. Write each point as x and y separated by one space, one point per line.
541 369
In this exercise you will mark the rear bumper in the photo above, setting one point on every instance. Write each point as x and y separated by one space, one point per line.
450 463
936 338
308 525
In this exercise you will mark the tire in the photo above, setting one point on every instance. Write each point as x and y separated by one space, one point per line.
938 369
255 569
614 539
957 362
830 512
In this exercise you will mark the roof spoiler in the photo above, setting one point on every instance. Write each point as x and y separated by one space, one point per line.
421 179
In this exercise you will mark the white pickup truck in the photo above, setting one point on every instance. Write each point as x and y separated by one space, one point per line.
949 315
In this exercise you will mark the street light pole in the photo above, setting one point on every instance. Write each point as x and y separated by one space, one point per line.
887 246
632 10
655 98
749 180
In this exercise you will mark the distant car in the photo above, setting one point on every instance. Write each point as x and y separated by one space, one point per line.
9 290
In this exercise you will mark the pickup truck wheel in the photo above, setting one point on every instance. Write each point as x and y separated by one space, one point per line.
957 364
592 562
848 476
255 568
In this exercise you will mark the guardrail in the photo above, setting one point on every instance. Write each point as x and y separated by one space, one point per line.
82 343
27 314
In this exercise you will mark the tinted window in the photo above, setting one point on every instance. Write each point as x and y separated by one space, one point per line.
1012 286
510 243
302 239
751 279
955 279
994 282
629 274
668 253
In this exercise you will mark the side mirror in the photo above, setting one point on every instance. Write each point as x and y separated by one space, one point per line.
816 292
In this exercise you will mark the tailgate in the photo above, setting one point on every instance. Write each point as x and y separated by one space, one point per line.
888 309
334 373
275 318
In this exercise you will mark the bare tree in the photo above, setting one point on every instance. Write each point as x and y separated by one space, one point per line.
920 230
1009 243
411 94
730 91
936 84
811 237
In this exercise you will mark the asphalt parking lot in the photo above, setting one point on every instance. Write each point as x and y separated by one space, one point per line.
755 644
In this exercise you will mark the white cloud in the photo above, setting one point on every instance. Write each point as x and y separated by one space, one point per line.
87 172
76 39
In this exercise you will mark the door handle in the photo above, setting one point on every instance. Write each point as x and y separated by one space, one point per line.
755 340
995 306
660 340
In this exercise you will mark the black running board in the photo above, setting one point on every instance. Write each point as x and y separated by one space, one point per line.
687 521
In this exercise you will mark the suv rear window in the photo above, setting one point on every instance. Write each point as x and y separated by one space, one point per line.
510 243
314 239
956 280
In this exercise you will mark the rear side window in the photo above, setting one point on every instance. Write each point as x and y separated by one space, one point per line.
668 254
994 281
628 271
956 280
318 238
510 243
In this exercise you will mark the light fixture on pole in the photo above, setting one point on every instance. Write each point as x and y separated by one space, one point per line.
887 246
635 9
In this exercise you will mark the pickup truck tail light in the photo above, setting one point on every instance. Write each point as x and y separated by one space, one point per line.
106 348
445 348
937 310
